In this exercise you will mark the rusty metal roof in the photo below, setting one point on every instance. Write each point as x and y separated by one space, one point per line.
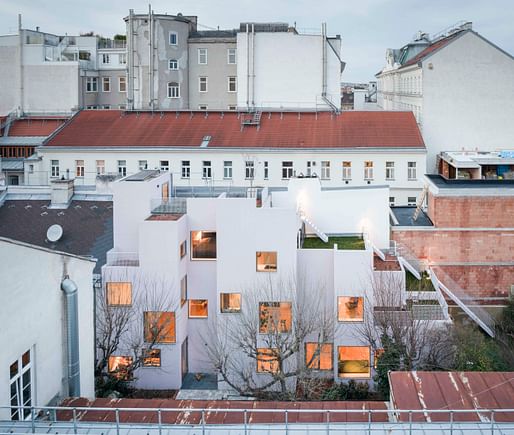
453 391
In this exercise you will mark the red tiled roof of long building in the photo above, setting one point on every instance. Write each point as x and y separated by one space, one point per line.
277 130
34 127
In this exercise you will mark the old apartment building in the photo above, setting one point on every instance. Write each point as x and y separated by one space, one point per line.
458 85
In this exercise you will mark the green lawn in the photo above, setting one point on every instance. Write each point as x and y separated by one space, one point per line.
413 284
343 242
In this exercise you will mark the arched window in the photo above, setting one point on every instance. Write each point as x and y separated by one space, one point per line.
173 90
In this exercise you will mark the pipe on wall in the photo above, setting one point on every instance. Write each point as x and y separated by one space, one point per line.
70 290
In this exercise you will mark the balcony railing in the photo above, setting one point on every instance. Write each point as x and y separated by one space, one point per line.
168 205
124 259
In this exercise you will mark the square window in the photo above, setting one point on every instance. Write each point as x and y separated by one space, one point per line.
266 261
159 327
230 302
119 293
164 165
152 358
354 362
119 367
411 200
350 309
142 165
203 245
266 360
173 64
198 309
275 316
319 356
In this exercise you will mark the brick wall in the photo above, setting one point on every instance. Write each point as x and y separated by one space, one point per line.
475 211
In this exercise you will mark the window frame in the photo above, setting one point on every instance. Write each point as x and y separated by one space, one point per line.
203 52
108 296
359 375
173 90
258 253
122 168
232 80
79 168
227 168
287 169
275 311
325 170
249 170
412 169
164 165
192 246
230 311
368 170
318 358
91 85
360 301
347 170
106 80
139 165
175 65
128 376
122 80
185 169
147 357
100 167
54 169
173 41
229 50
389 174
183 290
207 169
274 362
206 316
266 170
203 80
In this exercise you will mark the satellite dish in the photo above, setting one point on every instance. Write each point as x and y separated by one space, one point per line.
54 233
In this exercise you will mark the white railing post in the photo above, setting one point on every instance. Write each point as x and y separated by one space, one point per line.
75 420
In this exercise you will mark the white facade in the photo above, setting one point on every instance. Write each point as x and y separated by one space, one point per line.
243 227
461 95
32 312
288 70
268 166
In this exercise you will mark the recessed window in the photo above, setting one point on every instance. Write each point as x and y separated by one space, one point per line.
202 56
275 316
159 327
173 64
106 58
203 245
106 84
164 165
54 168
186 169
173 38
411 200
231 56
203 107
354 362
232 84
79 168
183 290
202 84
230 302
122 84
350 309
100 167
389 170
411 171
232 107
267 361
266 261
152 358
122 167
319 356
249 169
119 293
368 170
183 249
325 170
142 165
227 169
198 308
119 367
122 58
287 170
173 90
347 170
206 170
91 84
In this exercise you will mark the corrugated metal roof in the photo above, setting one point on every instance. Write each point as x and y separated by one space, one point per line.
22 140
289 130
453 391
12 165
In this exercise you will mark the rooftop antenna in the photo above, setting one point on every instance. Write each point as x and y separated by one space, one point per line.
54 233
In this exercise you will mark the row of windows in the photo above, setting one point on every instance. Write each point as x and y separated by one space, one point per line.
173 88
352 361
92 84
107 57
203 56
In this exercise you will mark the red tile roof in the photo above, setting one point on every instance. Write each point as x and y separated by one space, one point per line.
453 391
274 411
288 130
35 126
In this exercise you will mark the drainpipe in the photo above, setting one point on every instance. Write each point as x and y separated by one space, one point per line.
150 57
72 335
21 35
130 66
253 65
247 68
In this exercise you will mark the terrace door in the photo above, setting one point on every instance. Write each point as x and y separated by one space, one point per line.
184 358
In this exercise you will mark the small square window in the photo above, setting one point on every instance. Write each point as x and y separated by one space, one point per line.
159 327
319 356
152 358
173 64
275 316
266 261
203 245
267 361
350 309
119 293
354 362
230 302
198 309
119 367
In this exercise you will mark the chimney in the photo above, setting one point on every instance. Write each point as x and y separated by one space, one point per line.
61 193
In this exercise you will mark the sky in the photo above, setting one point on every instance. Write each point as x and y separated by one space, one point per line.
367 27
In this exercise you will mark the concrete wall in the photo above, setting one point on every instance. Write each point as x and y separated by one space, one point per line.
9 73
32 309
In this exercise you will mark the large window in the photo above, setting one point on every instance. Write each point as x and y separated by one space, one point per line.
275 316
347 170
106 84
91 84
206 170
350 309
152 358
159 327
287 170
389 170
203 245
183 290
368 170
230 302
79 168
119 293
231 56
198 308
202 56
227 169
202 84
249 169
319 356
232 84
20 381
411 171
354 362
266 261
325 170
119 367
173 90
173 64
267 360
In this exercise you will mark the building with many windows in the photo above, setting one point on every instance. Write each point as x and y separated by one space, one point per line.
219 150
458 85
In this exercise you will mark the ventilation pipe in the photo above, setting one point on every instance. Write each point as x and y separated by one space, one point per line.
72 335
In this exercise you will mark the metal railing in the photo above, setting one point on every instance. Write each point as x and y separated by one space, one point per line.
173 205
293 420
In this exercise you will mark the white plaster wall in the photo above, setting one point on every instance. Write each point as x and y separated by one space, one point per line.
9 74
288 71
32 310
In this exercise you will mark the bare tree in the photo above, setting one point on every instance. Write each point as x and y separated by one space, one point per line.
134 326
268 337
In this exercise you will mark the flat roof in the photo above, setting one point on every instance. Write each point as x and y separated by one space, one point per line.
443 183
405 217
144 175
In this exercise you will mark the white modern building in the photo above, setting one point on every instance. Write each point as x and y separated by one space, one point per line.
220 150
47 324
458 85
215 253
